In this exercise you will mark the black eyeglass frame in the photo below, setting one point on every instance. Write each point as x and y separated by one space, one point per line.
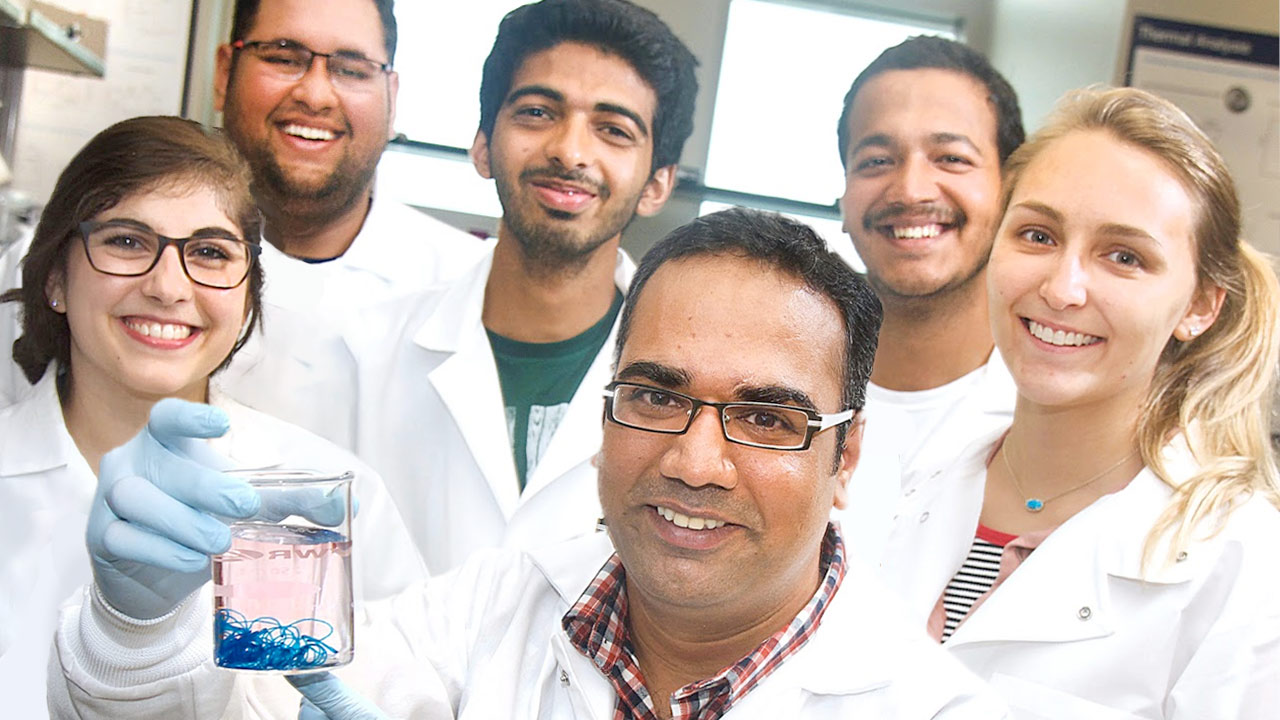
818 422
88 226
384 68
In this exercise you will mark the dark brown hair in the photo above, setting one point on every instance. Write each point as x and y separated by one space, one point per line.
131 157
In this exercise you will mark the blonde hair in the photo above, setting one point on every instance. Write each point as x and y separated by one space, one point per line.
1215 389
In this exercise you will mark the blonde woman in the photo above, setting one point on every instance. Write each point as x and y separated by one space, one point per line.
1113 553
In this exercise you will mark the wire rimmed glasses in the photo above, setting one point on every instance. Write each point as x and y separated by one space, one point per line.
755 424
290 60
126 248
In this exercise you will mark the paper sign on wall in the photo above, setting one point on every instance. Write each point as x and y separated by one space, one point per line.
1228 81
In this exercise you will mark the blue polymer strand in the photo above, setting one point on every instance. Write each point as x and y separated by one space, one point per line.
267 644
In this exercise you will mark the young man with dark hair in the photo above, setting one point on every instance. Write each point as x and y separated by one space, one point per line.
721 589
923 133
479 401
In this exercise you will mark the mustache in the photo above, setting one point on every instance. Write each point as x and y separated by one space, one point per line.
576 177
920 213
710 498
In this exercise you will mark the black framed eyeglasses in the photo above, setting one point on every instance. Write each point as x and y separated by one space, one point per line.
127 248
289 60
756 424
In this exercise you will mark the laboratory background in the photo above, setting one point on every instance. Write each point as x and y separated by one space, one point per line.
772 76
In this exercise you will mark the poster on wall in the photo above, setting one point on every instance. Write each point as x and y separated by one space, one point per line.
1228 81
146 63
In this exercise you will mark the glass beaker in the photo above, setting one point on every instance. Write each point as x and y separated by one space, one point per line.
282 593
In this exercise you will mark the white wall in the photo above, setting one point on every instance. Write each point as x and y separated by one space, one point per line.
1047 48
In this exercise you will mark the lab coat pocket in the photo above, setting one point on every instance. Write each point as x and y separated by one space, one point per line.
1032 701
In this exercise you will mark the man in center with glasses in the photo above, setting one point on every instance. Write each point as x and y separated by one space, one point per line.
721 588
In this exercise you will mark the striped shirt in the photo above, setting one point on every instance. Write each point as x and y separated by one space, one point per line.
975 578
597 626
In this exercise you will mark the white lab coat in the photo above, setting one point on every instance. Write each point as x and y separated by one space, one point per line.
398 251
430 418
46 491
1077 632
487 643
897 454
13 384
298 368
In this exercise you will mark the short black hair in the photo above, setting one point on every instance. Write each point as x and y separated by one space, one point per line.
785 246
931 52
247 10
616 27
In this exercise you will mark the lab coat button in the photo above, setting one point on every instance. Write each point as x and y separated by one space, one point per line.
564 678
924 516
910 492
1182 556
1085 613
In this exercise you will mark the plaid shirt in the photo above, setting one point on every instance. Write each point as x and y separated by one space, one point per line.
597 627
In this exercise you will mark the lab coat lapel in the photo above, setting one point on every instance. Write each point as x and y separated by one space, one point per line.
29 447
367 254
1060 593
578 436
850 633
569 567
467 381
934 529
587 691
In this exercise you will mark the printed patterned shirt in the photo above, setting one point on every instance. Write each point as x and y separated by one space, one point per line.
597 627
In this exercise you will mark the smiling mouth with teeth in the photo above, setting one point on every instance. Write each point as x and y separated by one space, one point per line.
309 133
684 521
162 331
1060 338
916 232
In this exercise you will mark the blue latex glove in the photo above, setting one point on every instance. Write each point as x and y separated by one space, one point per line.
325 697
327 509
152 526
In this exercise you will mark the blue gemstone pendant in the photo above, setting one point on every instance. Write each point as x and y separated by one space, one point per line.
1035 505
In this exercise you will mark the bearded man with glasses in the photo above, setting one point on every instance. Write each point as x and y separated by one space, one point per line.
308 95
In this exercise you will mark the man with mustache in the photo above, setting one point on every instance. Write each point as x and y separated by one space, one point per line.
479 401
924 131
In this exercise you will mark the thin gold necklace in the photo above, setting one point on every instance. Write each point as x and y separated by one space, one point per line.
1035 505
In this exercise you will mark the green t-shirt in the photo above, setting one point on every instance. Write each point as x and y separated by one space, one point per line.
538 381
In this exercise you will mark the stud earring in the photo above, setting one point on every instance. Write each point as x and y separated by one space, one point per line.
53 304
1194 330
